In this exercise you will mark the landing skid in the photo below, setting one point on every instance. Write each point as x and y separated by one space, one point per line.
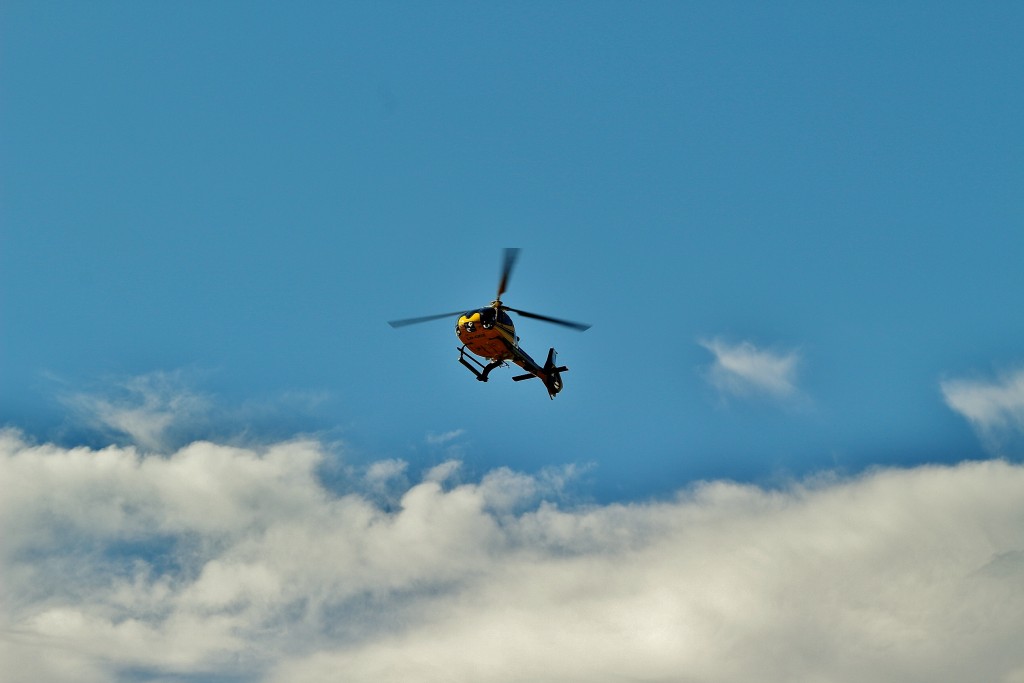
472 363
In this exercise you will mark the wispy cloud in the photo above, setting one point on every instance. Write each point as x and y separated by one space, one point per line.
994 408
743 369
449 443
384 471
435 439
217 562
160 411
142 409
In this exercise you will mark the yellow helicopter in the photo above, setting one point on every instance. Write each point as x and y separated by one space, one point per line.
490 333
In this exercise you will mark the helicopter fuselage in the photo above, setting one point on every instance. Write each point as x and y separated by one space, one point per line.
490 333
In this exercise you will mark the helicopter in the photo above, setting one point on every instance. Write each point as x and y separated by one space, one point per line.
488 333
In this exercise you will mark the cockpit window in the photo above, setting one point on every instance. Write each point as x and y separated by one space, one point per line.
488 316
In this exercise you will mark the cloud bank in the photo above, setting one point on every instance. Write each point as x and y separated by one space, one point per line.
221 563
746 370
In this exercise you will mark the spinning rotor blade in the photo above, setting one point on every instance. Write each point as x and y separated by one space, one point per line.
424 319
558 321
506 270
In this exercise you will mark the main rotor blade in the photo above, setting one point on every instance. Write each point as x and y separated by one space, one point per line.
506 270
424 319
558 321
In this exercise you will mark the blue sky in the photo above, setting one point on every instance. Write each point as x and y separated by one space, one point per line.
245 194
796 231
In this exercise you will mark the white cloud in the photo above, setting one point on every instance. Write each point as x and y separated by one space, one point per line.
141 408
383 471
215 562
995 409
445 437
442 472
161 411
743 369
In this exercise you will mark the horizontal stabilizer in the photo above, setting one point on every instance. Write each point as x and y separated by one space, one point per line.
520 378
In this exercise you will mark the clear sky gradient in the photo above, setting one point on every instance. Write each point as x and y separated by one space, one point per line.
796 229
246 193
